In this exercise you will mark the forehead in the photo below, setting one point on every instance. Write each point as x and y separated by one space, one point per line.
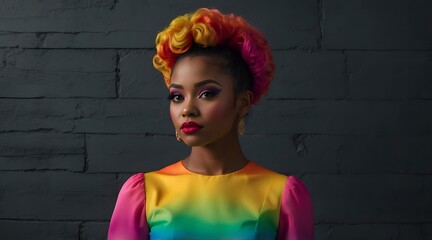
197 68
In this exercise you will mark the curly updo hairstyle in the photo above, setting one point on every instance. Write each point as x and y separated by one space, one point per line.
208 32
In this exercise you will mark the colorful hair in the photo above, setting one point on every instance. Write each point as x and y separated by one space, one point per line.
210 28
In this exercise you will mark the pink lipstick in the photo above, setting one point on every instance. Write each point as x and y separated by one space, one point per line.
190 127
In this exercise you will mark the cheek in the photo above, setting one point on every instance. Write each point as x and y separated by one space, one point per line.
173 113
220 111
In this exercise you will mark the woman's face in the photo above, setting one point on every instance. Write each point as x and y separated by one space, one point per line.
203 106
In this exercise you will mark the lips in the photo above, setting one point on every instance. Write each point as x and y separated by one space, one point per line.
190 127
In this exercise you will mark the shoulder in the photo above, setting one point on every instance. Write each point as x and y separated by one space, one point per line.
294 184
134 183
132 193
258 169
291 182
296 191
172 169
135 179
295 195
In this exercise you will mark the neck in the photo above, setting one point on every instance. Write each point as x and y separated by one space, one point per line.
220 157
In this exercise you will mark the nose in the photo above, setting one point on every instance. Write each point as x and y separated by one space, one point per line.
189 108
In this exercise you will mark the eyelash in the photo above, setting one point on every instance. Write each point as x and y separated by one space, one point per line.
211 92
171 96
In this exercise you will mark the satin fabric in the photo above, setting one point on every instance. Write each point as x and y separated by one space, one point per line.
175 203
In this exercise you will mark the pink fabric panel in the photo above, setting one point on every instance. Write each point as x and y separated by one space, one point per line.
128 221
296 216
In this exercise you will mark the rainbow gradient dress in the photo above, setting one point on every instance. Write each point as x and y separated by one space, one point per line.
175 203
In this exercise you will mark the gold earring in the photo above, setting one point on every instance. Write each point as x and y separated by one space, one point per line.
241 124
178 137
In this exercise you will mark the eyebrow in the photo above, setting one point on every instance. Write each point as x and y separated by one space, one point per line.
198 84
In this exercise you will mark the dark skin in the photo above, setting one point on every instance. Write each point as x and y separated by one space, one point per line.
201 91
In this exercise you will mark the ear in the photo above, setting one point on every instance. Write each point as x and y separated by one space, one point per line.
244 101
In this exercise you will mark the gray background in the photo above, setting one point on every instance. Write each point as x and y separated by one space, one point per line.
349 111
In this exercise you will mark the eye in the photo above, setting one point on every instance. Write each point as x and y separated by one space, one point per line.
209 93
175 97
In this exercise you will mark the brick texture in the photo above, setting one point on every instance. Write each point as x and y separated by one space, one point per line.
349 111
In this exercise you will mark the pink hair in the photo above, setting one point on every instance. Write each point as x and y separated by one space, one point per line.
210 28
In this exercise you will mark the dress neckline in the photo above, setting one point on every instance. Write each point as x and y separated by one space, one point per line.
244 168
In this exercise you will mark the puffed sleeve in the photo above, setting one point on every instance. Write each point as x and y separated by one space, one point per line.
296 216
128 221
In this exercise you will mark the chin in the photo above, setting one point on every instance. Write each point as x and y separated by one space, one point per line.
198 140
195 142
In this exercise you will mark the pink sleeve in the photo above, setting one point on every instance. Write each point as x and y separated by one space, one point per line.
296 216
129 220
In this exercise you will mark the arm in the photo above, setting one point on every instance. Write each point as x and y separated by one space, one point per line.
129 220
296 216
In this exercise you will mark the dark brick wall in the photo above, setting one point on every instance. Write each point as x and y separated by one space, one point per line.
350 111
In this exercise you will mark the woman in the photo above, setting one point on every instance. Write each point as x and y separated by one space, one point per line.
215 67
